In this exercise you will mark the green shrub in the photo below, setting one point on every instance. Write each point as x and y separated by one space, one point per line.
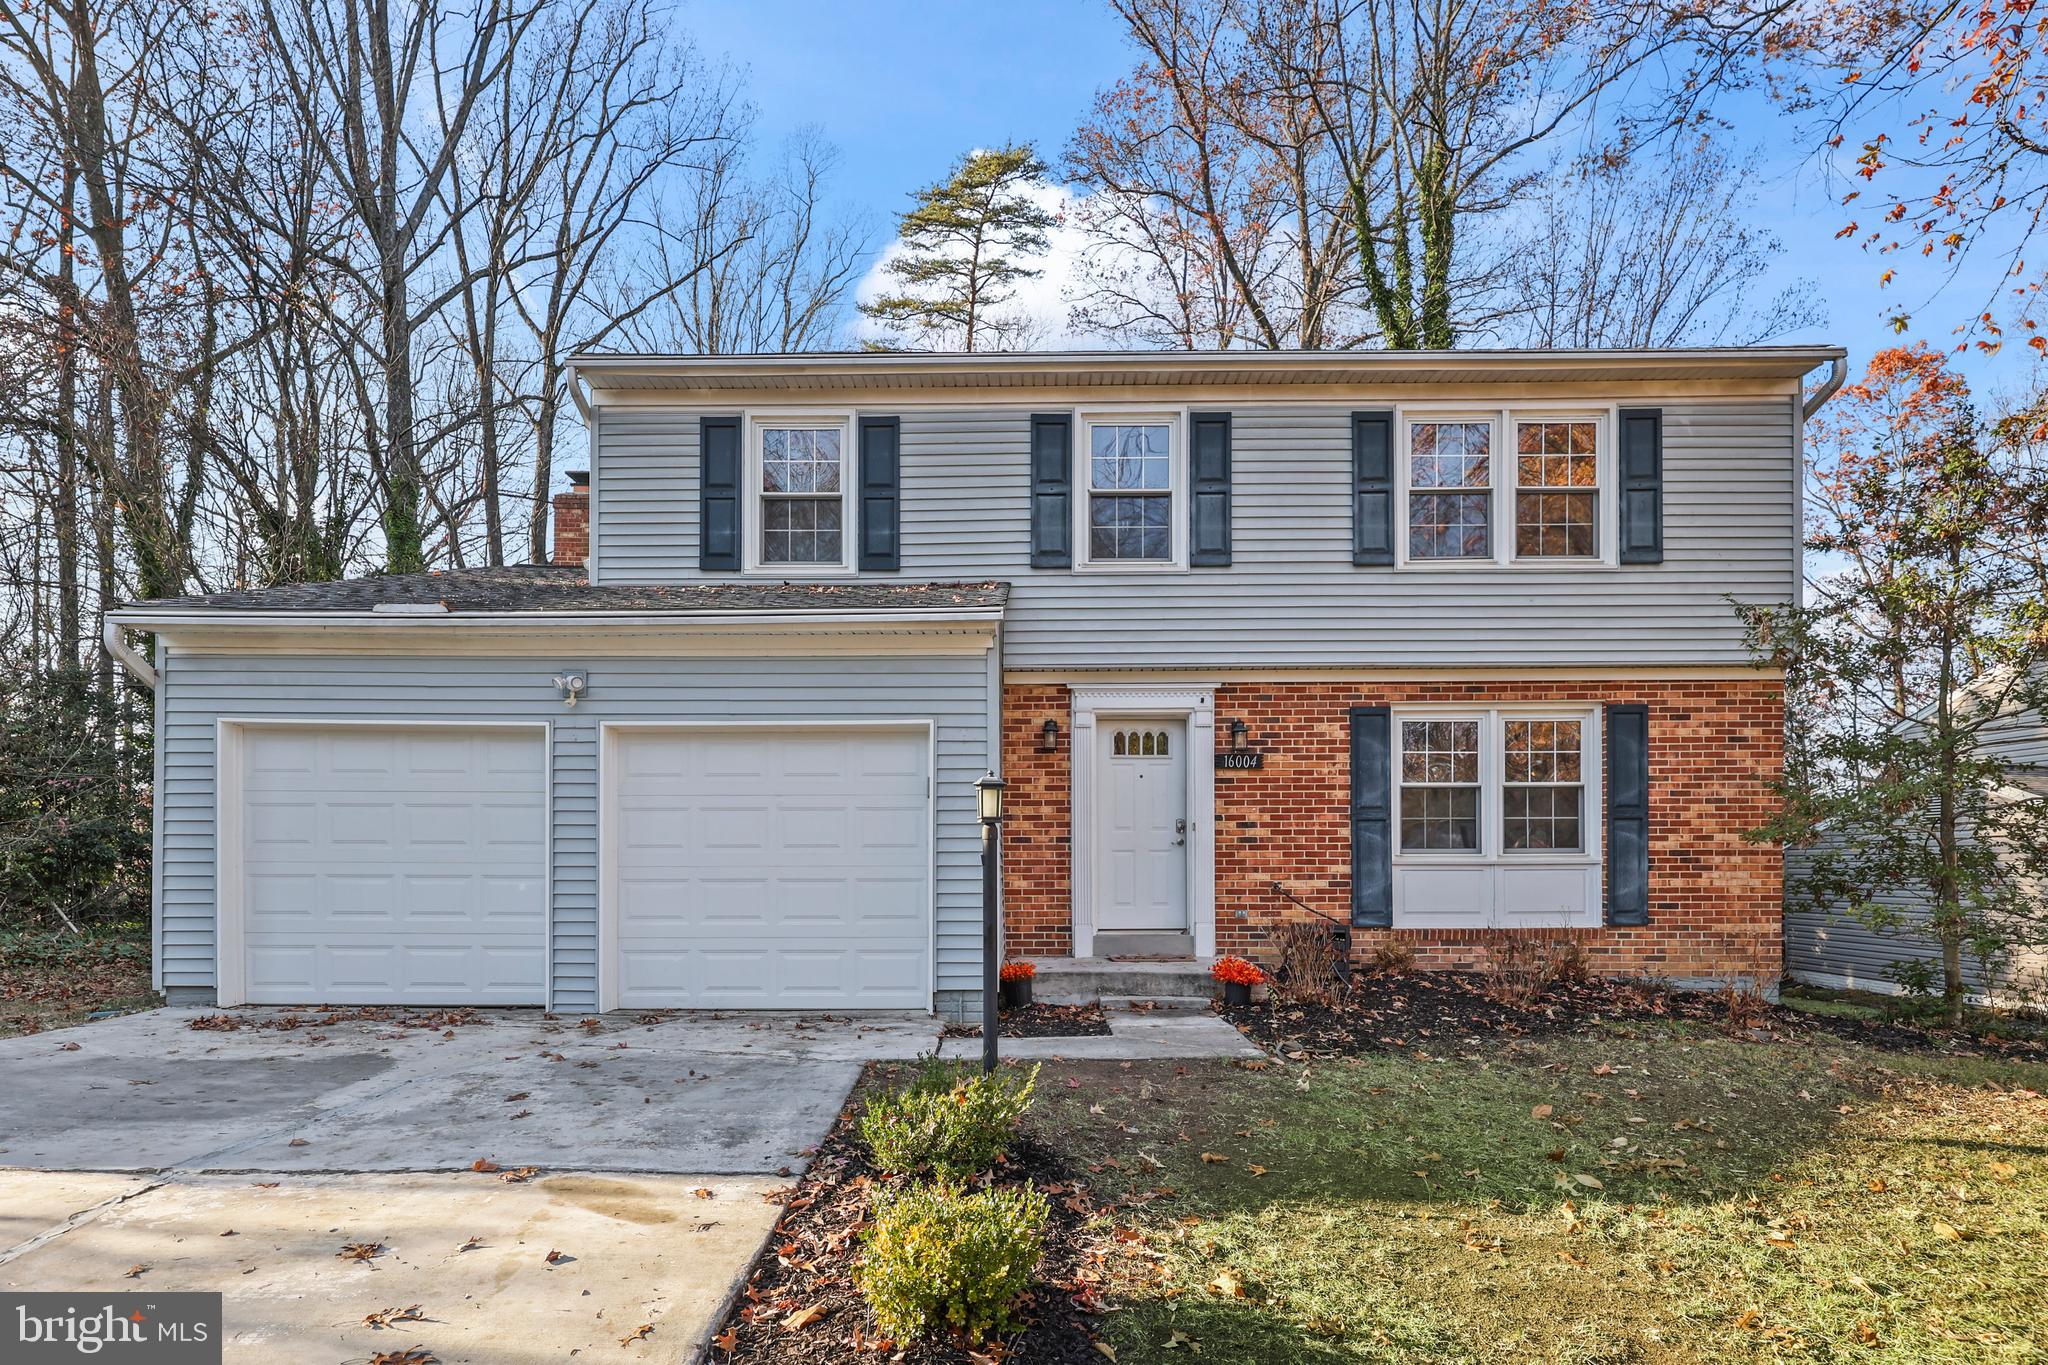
938 1258
948 1121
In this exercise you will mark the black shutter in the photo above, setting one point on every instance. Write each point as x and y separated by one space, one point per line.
1052 491
718 495
1372 488
881 496
1628 814
1642 485
1372 842
1209 504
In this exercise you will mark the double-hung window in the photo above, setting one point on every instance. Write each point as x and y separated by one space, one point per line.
1518 486
1496 817
801 477
1450 490
1132 471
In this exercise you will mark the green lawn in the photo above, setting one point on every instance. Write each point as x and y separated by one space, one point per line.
1588 1199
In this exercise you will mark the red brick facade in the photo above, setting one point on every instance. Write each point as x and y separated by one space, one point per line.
572 523
1715 908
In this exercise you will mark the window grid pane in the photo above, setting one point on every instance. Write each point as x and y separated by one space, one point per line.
1450 456
1440 785
1542 799
1556 456
801 531
1123 458
1130 526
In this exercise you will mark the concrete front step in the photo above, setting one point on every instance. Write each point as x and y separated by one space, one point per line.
1080 981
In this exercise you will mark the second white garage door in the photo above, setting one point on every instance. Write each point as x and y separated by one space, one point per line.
771 868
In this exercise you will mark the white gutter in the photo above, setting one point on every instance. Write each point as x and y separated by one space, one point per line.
138 667
1838 375
576 393
145 619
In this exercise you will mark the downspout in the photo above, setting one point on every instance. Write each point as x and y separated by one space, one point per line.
138 667
1838 375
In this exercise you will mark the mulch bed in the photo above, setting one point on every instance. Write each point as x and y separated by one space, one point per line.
799 1304
1425 1012
1042 1021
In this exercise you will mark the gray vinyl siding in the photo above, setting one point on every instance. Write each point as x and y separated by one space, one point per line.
1291 598
200 689
1832 949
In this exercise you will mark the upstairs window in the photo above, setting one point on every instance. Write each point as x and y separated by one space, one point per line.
801 483
1450 490
1557 478
1131 476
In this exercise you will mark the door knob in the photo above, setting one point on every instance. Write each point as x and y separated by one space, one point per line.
1180 827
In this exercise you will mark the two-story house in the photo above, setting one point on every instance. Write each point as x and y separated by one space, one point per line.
1441 643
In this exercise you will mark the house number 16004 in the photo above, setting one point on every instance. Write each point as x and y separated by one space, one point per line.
1238 760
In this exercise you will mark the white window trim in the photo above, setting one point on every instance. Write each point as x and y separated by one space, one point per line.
1498 864
1501 495
1176 420
754 514
1492 829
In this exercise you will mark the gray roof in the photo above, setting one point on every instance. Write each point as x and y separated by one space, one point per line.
540 588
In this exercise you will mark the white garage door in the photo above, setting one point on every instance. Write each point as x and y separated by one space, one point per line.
772 869
394 866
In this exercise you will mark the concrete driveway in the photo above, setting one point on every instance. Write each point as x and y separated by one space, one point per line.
243 1160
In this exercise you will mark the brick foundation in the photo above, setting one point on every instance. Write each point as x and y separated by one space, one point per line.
1715 901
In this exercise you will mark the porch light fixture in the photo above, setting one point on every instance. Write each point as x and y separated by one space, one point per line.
1238 730
571 686
988 792
1049 737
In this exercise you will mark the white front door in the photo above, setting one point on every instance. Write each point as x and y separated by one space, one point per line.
1141 878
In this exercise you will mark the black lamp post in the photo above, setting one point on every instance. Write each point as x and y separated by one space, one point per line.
988 791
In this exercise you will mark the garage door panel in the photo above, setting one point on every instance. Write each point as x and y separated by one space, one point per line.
394 866
765 870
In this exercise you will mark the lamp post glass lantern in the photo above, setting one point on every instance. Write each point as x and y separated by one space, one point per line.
988 792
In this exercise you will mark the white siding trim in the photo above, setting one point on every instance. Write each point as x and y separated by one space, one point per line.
230 959
607 821
1197 706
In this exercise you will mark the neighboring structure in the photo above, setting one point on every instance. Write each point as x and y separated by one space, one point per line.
1442 644
1834 949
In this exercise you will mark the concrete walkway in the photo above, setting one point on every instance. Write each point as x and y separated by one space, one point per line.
1134 1035
244 1160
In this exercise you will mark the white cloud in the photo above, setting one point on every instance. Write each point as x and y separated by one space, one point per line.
1044 299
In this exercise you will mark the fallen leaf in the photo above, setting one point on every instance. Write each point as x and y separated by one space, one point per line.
803 1318
67 1047
1589 1181
727 1341
1947 1230
1214 1158
520 1176
1541 1111
1180 1339
1255 1170
298 1142
133 1272
1227 1284
2001 1170
1866 1334
1877 1186
384 1317
416 1355
471 1245
702 1193
360 1251
640 1333
483 1164
555 1257
1106 1349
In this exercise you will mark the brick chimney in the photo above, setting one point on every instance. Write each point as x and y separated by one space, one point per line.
572 521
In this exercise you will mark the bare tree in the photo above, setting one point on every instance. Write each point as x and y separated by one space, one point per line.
1622 253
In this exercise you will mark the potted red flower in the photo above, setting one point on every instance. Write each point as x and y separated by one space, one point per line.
1238 977
1015 992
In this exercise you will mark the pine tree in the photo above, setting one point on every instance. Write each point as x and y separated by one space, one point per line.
966 243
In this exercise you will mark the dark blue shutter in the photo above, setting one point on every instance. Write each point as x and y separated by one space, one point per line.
1052 491
1372 836
1628 814
718 495
1642 485
1372 488
881 492
1209 500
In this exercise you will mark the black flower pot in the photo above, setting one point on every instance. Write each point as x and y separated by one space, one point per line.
1014 995
1236 993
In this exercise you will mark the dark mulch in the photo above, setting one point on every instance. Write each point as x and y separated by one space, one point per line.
1437 1011
1043 1021
809 1261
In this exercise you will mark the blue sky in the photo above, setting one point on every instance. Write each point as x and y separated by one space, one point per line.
902 87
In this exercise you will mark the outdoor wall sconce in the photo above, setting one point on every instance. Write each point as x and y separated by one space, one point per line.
1238 730
571 686
1049 737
